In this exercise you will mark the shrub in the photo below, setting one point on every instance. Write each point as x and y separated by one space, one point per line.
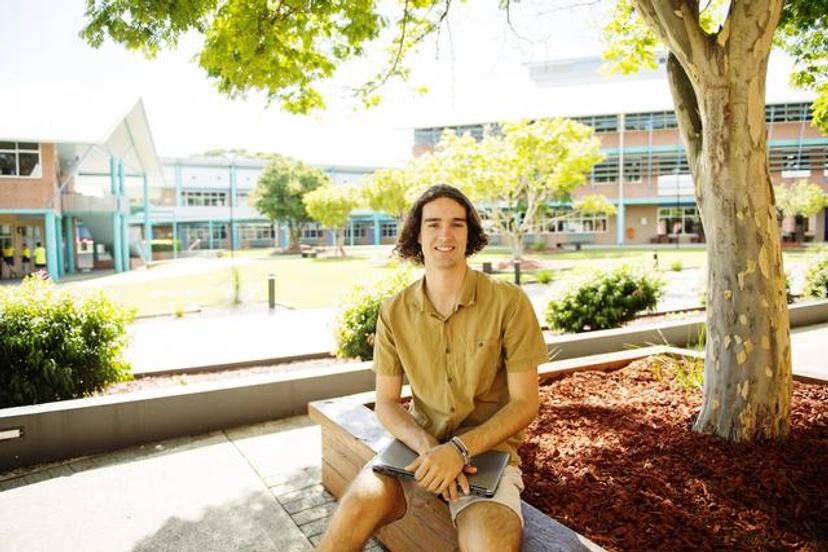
605 300
159 246
55 345
544 276
356 322
816 278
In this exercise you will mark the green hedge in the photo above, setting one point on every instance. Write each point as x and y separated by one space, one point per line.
605 300
56 345
356 322
816 278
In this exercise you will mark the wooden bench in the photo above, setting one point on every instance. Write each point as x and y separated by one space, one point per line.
577 239
352 435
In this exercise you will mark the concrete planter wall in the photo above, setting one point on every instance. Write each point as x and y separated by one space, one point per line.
67 429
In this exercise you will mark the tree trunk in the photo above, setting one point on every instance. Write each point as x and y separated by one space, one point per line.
719 90
747 390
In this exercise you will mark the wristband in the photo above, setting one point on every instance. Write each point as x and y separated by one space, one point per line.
462 449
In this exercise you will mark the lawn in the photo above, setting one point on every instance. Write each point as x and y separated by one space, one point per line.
185 284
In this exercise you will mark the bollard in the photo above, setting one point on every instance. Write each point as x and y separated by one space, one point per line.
271 291
517 271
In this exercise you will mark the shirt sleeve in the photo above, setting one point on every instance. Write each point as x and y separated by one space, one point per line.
386 359
525 347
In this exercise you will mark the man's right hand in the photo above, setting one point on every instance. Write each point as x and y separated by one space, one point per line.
440 470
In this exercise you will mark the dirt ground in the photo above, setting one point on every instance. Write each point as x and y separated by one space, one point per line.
612 456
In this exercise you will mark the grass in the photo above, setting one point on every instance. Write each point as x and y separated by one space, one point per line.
184 284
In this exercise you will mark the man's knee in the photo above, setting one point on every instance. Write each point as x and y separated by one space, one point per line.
374 496
489 526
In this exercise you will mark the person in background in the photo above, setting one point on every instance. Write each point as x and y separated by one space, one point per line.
469 346
25 261
8 259
39 257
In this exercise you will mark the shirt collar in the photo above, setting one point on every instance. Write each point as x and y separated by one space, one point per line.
468 292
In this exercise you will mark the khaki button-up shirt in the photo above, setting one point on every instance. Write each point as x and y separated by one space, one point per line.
456 365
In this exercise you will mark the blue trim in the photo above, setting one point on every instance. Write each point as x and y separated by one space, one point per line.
70 244
51 245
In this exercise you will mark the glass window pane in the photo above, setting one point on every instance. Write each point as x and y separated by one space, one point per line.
8 164
29 164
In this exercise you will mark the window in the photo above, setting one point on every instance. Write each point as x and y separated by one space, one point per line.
657 120
388 229
575 222
256 232
679 220
311 231
195 233
20 159
358 231
204 199
600 123
606 171
791 162
788 113
672 163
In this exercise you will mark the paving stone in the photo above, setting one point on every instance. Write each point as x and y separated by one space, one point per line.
305 502
312 514
314 528
290 482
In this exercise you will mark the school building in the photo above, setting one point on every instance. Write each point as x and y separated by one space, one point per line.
80 174
645 173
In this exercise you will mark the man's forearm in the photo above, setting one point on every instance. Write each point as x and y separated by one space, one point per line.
509 420
397 420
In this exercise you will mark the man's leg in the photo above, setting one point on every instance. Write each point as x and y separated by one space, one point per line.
488 526
371 501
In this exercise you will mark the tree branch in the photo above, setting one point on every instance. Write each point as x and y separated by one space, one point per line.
687 111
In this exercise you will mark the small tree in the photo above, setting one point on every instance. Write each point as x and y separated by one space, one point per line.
279 192
803 198
330 206
389 191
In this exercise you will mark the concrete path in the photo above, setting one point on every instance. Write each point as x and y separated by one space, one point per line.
255 488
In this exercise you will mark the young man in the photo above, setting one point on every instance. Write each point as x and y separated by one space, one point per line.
469 347
39 257
26 260
8 259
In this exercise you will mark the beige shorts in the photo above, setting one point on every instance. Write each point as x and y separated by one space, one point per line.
507 494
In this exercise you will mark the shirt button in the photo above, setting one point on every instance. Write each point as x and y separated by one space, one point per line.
448 350
450 379
452 409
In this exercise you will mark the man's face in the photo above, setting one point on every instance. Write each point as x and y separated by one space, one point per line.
444 233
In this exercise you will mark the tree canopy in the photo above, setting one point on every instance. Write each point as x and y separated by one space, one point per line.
802 198
389 191
288 49
331 206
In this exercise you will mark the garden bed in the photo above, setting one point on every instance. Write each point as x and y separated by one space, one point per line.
612 455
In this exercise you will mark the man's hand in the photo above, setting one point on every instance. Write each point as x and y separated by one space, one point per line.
440 470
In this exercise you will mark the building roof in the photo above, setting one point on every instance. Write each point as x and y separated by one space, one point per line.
574 88
86 125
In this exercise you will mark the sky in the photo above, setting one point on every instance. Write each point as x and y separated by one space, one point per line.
480 58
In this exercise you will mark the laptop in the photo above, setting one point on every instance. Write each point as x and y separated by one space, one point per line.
490 466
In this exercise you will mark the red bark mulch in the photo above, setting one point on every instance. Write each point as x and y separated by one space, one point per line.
612 455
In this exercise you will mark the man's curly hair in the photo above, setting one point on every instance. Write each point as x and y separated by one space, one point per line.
409 249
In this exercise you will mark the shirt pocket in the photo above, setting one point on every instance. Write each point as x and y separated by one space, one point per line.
484 362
